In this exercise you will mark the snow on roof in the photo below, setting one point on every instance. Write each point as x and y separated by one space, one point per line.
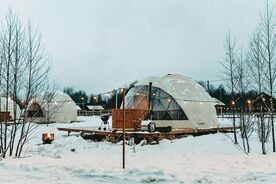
95 107
78 107
218 102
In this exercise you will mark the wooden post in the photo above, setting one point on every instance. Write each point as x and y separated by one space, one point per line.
124 119
116 100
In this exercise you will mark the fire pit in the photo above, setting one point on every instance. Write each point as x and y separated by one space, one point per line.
48 138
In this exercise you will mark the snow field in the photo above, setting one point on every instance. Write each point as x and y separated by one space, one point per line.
210 158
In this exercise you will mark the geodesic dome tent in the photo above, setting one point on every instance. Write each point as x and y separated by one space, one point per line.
61 108
12 106
176 101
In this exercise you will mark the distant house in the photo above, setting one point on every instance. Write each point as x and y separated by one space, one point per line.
218 102
78 108
219 105
263 100
94 107
91 110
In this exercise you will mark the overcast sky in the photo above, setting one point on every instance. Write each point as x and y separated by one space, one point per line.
99 45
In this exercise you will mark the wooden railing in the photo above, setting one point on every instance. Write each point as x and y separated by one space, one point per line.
93 112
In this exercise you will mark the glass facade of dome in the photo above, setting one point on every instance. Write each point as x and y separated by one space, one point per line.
163 105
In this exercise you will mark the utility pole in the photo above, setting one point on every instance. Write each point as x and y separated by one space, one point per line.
124 123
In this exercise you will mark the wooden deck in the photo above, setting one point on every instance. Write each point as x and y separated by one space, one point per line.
116 135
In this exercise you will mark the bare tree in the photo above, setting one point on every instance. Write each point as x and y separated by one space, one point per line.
268 41
24 75
255 61
264 130
7 39
256 64
263 124
1 91
236 72
246 124
17 68
36 79
230 69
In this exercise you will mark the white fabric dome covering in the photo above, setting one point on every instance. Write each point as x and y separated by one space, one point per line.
61 108
11 107
177 101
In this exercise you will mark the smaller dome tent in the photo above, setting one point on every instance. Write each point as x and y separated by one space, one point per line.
11 107
61 108
176 101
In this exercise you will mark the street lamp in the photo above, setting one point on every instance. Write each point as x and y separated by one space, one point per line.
248 102
82 102
94 99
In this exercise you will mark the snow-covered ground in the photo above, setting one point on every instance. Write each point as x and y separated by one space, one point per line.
205 159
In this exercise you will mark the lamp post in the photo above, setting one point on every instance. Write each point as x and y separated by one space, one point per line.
233 103
82 106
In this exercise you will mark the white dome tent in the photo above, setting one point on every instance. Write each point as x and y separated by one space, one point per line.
11 107
61 108
176 101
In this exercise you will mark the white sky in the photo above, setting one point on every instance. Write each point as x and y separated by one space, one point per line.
99 45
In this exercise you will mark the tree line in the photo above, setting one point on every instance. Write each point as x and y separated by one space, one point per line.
224 95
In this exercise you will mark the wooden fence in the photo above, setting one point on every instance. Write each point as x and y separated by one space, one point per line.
93 112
